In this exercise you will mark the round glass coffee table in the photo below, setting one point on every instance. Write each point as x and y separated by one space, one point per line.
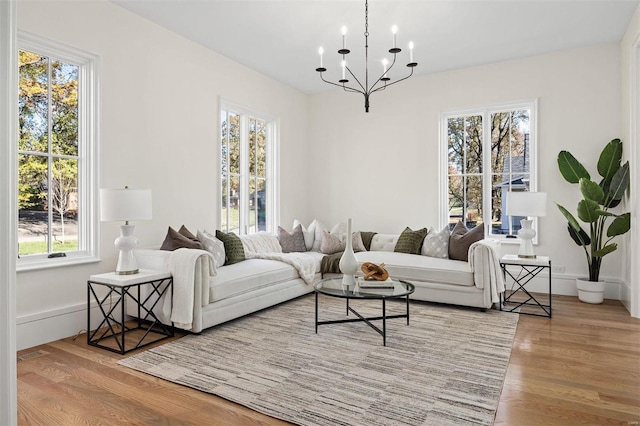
396 289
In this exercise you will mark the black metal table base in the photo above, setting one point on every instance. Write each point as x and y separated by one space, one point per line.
530 272
366 320
112 328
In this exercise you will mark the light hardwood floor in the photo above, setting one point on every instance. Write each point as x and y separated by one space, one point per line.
581 367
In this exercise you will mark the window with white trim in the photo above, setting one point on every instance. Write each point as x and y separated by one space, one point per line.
247 170
57 113
487 152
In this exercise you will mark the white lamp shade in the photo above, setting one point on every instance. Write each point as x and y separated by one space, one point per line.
125 204
528 204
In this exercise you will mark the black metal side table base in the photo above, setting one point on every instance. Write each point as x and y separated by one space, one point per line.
114 302
527 273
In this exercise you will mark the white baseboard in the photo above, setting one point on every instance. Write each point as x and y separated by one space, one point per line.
44 327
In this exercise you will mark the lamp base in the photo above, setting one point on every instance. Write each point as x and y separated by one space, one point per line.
526 235
126 242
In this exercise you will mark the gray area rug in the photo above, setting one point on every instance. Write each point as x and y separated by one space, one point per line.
446 367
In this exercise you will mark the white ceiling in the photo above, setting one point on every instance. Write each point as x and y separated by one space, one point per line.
281 38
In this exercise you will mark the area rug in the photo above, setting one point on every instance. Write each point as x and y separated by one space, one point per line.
446 367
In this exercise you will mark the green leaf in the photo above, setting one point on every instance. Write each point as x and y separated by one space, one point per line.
619 182
604 213
609 161
572 170
572 220
620 225
605 250
591 190
588 211
581 238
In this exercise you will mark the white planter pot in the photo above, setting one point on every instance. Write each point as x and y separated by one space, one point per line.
590 291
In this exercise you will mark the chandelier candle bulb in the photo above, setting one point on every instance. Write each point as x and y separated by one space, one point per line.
344 37
321 52
410 52
384 66
344 68
394 30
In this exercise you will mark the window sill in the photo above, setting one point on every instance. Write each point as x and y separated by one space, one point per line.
23 265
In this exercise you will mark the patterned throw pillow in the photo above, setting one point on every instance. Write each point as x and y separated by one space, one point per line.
410 241
461 239
175 240
233 249
331 243
357 242
291 242
213 246
436 244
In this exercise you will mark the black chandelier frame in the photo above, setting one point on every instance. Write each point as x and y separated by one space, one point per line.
365 89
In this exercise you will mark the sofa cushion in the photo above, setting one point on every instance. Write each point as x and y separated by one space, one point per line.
291 242
309 233
235 279
331 243
319 229
414 267
213 246
180 239
410 241
436 244
233 249
461 239
383 242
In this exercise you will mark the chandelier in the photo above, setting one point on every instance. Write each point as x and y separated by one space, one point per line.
383 81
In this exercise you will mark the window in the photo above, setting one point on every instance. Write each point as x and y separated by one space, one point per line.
489 151
56 154
247 165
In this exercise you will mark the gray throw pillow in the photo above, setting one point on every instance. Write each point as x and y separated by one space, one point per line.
291 242
233 249
461 239
175 240
331 243
436 244
410 241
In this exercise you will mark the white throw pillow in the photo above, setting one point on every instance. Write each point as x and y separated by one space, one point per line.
319 228
213 246
309 233
340 230
436 244
260 242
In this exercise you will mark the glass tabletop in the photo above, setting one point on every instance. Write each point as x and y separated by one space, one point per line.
333 287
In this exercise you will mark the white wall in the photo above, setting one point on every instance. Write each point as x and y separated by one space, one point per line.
381 168
630 53
159 130
8 244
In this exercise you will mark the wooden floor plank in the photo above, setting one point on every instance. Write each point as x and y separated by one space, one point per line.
580 367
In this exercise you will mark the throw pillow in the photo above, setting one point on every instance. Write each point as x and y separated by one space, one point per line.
291 242
340 230
260 242
319 228
366 239
461 239
331 243
357 243
309 233
184 231
175 240
436 244
213 246
410 241
233 249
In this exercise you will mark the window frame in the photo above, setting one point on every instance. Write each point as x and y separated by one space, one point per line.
272 126
88 145
485 112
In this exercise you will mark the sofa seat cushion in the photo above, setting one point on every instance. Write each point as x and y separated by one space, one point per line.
421 268
238 278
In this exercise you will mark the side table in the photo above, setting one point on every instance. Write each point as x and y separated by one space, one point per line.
121 287
528 269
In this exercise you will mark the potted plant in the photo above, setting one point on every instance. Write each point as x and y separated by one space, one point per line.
594 210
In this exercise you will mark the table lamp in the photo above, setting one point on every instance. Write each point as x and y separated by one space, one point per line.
528 205
125 205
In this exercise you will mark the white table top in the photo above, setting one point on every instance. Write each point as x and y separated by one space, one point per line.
513 259
143 276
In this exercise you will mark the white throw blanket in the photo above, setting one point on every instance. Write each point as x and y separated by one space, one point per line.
182 266
262 242
305 265
485 253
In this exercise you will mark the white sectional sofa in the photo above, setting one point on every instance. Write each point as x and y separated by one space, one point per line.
236 290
